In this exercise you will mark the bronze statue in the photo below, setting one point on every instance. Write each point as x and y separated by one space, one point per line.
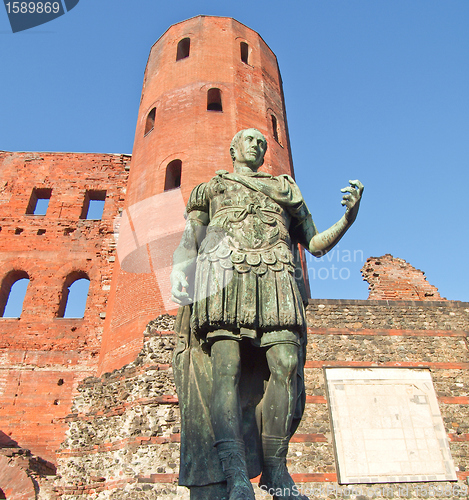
241 325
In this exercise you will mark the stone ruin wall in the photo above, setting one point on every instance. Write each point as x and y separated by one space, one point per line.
123 437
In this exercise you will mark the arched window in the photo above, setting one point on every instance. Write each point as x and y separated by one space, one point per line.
214 100
173 175
244 52
150 123
74 295
184 48
274 127
12 293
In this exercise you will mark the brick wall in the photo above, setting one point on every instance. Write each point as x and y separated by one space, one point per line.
43 356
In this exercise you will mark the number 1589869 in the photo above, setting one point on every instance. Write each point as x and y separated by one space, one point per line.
32 7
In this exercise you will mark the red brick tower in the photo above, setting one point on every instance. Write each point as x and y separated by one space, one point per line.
206 78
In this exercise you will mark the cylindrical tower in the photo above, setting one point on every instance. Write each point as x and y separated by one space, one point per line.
206 78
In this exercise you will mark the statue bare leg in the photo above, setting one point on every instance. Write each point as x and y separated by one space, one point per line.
225 412
277 413
280 395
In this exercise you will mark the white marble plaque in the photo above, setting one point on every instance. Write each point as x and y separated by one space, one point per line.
387 426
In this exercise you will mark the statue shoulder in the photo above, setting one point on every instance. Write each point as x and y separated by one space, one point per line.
201 195
286 178
198 199
288 184
296 203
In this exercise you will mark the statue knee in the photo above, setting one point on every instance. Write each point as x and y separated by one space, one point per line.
283 361
226 363
229 371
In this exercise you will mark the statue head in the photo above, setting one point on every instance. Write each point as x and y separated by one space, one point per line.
247 149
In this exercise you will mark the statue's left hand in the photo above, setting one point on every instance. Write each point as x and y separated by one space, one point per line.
352 199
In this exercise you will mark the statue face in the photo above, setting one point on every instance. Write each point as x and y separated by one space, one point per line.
251 149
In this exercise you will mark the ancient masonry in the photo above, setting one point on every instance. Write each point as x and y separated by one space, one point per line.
394 279
87 405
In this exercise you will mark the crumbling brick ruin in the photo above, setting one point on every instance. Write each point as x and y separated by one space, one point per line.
88 408
390 278
23 475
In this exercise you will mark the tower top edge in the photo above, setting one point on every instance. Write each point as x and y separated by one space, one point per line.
211 17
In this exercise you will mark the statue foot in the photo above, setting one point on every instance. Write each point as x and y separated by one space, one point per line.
241 492
233 460
276 481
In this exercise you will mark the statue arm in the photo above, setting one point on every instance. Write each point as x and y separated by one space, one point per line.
320 243
185 256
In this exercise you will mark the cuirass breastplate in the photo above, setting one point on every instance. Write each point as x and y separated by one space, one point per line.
247 229
252 219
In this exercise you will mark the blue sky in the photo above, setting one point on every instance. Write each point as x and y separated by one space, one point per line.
375 89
